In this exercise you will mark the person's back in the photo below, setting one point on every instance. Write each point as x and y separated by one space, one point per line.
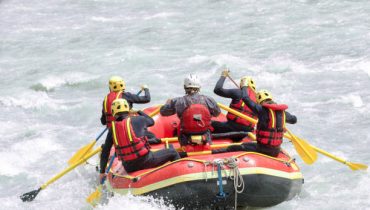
271 122
194 111
129 136
117 89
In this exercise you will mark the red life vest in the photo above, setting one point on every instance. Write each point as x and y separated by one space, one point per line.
241 107
108 106
196 119
273 134
128 146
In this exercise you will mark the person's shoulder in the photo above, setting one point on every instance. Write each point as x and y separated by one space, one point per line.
208 97
126 93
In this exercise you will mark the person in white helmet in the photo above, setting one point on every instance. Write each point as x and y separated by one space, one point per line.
194 111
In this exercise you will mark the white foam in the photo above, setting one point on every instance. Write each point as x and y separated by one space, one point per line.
23 154
103 19
55 81
161 15
32 100
126 202
353 99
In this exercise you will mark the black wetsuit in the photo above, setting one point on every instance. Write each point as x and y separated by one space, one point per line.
150 160
229 125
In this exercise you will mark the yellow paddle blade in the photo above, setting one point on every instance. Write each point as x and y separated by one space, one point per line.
357 166
304 150
353 166
94 197
81 153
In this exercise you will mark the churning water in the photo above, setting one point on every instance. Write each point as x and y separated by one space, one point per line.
56 57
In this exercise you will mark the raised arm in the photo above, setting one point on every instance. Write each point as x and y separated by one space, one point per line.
138 99
235 94
256 108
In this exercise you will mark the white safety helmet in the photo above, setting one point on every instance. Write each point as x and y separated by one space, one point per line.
191 81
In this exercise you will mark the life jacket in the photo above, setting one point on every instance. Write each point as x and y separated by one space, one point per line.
244 109
195 125
272 135
196 119
128 146
108 106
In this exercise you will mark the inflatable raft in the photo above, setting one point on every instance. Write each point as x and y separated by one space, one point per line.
211 181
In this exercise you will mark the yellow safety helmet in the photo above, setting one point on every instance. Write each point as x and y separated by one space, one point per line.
116 84
250 82
119 105
263 95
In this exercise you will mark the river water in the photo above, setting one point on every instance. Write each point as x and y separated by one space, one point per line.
56 57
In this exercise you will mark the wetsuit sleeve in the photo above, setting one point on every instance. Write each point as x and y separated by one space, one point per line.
289 118
213 108
103 119
168 109
138 99
235 94
149 121
105 151
256 108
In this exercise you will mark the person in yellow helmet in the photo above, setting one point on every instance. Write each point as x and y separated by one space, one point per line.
117 87
129 137
270 127
235 123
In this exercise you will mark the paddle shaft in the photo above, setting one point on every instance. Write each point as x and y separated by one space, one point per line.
109 166
84 159
233 81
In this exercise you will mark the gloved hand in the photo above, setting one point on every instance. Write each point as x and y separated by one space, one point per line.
244 83
143 87
225 73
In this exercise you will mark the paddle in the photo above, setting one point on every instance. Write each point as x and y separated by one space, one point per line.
96 195
30 196
302 144
213 135
303 149
351 165
87 148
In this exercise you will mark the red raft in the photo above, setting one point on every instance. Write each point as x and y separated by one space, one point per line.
211 181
